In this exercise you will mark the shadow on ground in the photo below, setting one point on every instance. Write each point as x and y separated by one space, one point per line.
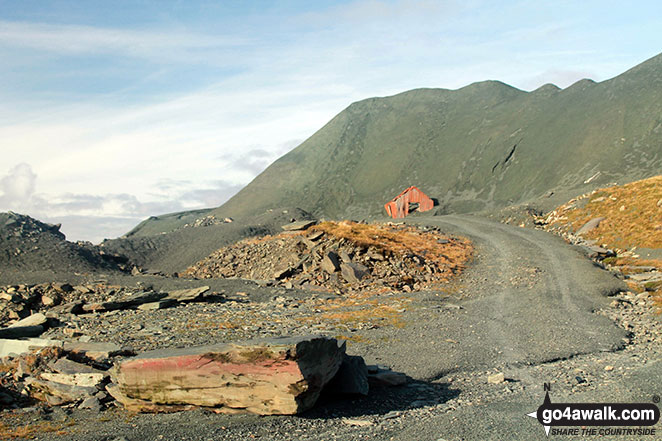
382 400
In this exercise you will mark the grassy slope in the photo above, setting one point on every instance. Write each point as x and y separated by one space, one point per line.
632 215
454 146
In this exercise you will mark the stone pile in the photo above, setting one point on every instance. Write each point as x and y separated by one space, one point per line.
311 258
20 302
57 373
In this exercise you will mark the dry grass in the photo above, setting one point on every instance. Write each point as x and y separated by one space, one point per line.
405 240
626 261
633 218
31 431
361 309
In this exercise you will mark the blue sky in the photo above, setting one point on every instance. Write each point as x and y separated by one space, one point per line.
114 111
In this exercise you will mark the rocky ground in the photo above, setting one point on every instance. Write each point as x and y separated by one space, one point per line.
530 309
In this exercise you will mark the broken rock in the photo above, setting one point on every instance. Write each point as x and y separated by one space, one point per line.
66 366
56 394
353 272
276 376
82 380
187 295
18 347
38 319
330 262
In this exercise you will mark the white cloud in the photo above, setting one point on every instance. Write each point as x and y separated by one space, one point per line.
18 186
86 216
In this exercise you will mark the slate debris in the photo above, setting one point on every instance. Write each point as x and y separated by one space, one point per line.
313 258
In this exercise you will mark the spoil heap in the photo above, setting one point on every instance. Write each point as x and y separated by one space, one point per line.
339 256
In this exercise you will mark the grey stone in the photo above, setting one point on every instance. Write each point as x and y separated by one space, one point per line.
330 262
95 351
388 378
646 277
353 272
496 378
69 308
161 304
187 295
91 403
79 379
590 225
38 319
132 301
66 366
57 394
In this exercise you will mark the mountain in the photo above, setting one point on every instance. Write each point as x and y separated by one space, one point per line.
485 146
476 149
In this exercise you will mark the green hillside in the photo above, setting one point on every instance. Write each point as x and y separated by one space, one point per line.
487 145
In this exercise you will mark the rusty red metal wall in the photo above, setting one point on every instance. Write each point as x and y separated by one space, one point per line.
398 207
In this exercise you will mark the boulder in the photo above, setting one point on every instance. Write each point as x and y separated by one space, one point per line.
384 376
353 272
280 376
81 380
496 378
161 304
330 262
596 252
590 225
646 277
75 307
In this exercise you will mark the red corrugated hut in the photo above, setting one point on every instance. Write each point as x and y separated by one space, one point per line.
399 207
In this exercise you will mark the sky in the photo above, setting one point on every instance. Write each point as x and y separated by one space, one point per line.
111 112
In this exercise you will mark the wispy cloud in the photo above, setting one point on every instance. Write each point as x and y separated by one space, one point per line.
157 44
